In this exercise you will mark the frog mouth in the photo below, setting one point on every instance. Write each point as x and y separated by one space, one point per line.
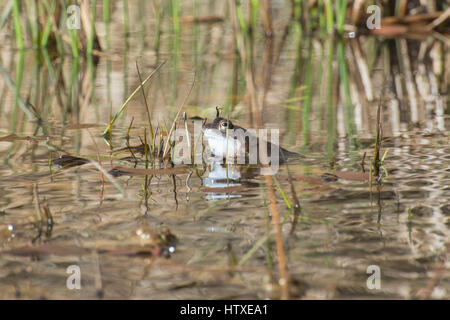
209 126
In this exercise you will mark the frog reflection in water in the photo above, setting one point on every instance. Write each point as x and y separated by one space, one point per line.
223 180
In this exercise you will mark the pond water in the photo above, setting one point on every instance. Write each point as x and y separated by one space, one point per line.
322 94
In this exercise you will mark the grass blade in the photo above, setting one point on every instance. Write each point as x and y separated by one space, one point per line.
108 129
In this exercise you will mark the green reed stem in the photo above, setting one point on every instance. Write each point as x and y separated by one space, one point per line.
331 109
106 11
107 21
53 25
19 77
91 37
294 84
126 26
17 25
321 11
306 105
196 36
74 42
329 14
397 7
48 26
175 16
241 17
176 47
297 10
48 63
345 89
146 148
254 13
141 23
376 152
33 21
126 49
13 87
69 89
341 14
283 194
159 13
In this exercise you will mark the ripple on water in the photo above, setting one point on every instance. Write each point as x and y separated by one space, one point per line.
445 209
422 211
414 194
419 183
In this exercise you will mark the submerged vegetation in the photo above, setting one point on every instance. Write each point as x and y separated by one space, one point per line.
93 91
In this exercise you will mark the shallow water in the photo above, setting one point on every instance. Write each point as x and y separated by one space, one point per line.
311 89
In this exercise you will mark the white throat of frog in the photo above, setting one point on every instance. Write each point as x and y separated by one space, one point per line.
219 146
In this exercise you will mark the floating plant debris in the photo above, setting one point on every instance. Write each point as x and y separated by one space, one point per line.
69 161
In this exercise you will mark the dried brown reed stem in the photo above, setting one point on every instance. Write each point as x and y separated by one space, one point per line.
443 17
357 11
88 25
363 162
98 276
250 82
361 63
426 293
37 203
409 80
266 18
267 69
402 6
439 270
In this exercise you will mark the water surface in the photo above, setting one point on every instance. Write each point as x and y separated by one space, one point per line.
322 94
